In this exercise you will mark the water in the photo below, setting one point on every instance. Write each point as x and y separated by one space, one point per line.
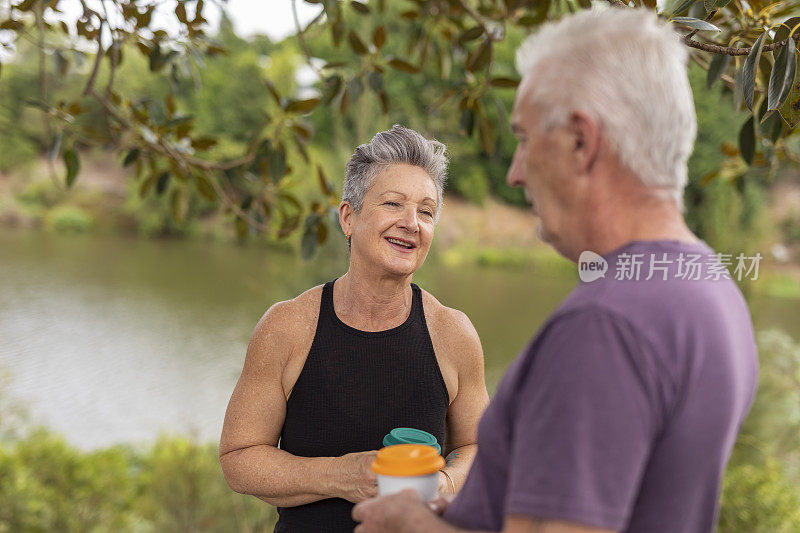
108 339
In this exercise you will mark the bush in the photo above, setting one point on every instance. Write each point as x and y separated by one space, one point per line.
68 218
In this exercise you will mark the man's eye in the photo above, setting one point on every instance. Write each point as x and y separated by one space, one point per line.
393 204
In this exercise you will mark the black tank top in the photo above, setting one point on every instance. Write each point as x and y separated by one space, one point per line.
354 388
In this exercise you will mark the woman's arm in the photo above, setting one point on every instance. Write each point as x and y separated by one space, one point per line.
461 346
249 456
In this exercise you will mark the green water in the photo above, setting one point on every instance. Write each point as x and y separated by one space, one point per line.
108 339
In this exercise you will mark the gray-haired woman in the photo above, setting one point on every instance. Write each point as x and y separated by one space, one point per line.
330 372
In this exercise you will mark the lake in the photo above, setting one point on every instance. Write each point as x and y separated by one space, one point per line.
108 339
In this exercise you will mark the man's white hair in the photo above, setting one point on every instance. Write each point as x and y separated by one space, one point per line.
626 70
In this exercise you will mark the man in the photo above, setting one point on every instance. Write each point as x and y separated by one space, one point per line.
621 413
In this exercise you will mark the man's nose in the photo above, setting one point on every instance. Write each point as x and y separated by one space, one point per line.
512 176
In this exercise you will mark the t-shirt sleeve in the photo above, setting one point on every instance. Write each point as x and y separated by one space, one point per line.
586 417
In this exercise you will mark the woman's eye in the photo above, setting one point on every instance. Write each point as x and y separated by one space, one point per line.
427 213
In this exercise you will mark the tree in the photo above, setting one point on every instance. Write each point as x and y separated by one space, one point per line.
750 48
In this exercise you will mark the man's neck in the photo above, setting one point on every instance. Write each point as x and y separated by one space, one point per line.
650 220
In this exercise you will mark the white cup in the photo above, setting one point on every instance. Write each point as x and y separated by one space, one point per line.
427 486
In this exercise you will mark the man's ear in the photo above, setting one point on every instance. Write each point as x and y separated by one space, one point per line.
586 134
346 214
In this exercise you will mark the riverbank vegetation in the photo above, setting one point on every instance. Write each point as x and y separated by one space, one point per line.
176 485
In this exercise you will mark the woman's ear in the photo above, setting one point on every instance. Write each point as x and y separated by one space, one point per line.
346 214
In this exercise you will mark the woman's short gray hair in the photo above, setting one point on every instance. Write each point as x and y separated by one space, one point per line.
395 146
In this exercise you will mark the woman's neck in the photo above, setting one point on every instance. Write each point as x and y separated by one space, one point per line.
372 302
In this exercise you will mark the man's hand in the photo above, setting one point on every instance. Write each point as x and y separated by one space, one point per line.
357 482
403 512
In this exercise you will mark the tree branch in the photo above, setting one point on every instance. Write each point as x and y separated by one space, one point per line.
729 51
479 19
301 38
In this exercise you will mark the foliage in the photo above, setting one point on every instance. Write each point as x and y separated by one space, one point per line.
47 485
68 218
368 52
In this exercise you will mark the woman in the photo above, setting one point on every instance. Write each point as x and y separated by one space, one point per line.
330 372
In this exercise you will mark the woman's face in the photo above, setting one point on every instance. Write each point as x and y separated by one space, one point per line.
394 229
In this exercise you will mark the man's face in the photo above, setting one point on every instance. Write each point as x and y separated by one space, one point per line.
543 166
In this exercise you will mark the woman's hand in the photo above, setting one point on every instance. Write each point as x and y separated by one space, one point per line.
356 481
440 503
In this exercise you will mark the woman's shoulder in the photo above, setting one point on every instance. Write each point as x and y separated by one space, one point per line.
291 318
451 323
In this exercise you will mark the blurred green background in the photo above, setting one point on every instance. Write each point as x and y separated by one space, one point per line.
122 332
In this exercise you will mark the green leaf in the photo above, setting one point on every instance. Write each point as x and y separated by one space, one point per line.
747 141
695 23
73 166
356 43
718 65
709 5
404 66
719 4
309 243
205 188
749 71
180 205
324 186
147 185
161 182
782 33
674 7
330 88
506 83
375 81
379 37
276 163
359 7
479 57
355 88
467 122
790 110
302 106
203 143
132 156
470 35
782 76
488 134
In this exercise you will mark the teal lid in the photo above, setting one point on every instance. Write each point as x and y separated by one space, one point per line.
410 436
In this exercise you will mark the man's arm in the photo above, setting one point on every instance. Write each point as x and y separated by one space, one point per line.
405 512
249 456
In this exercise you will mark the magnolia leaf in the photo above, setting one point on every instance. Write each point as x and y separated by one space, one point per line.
375 81
479 57
73 164
718 65
506 83
747 141
467 122
205 187
302 106
405 66
308 245
180 205
326 188
790 110
782 76
674 7
356 43
131 157
276 163
749 71
330 88
161 182
470 35
488 134
379 37
695 23
359 7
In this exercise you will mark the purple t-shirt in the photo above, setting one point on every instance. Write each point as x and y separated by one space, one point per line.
622 411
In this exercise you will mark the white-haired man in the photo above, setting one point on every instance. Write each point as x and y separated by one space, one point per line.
621 413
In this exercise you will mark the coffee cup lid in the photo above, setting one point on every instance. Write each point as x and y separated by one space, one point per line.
407 460
411 436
